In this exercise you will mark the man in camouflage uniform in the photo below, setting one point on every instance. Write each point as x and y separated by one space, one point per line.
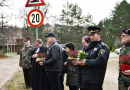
25 62
124 77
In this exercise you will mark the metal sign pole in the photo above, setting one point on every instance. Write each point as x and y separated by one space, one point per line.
36 33
36 28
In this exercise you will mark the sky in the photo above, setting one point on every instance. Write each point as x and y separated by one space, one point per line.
99 9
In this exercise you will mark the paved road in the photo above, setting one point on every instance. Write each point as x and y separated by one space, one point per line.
114 55
8 68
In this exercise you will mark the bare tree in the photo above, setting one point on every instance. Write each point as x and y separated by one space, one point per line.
4 19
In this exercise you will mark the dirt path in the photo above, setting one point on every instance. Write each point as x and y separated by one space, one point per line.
111 76
8 68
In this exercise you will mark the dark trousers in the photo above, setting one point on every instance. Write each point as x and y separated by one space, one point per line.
54 80
27 77
93 87
73 88
61 82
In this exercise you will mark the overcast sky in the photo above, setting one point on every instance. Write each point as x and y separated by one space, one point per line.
99 9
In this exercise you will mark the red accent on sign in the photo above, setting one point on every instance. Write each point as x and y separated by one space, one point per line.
42 17
35 4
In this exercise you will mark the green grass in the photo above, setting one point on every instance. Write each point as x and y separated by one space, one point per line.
6 57
10 53
17 82
111 51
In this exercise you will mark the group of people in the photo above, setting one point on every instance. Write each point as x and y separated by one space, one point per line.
86 74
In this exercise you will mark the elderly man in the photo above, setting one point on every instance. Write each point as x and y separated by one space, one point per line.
25 62
53 62
124 77
96 62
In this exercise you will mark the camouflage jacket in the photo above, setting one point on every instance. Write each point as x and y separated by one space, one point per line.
124 80
25 55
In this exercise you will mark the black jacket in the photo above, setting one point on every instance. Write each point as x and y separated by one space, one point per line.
33 60
81 73
63 59
53 61
96 63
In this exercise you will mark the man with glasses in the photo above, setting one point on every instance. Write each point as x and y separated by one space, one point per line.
25 62
96 62
124 77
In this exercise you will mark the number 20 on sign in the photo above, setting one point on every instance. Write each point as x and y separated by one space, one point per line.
35 18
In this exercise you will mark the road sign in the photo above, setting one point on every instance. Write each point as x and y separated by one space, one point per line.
31 3
35 18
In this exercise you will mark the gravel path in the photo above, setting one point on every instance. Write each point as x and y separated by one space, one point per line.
8 68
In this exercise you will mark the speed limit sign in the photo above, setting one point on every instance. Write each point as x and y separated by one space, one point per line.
35 18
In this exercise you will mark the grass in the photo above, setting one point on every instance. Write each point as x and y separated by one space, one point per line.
6 57
10 53
17 82
111 51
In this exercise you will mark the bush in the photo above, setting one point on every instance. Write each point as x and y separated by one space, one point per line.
113 49
18 52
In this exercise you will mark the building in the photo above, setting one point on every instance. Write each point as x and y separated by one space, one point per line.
13 42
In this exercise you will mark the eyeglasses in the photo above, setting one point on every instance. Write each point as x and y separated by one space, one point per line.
124 35
92 34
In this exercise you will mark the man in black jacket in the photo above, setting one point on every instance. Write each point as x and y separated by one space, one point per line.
53 62
63 59
96 62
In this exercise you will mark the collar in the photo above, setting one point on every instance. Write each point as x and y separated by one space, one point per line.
93 44
27 46
127 44
41 46
52 43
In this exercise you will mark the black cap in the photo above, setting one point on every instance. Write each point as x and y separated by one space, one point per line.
50 35
93 29
58 41
27 39
126 31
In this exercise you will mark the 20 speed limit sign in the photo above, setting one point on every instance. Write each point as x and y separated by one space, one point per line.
35 18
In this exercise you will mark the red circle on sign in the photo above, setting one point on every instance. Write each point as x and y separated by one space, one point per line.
42 17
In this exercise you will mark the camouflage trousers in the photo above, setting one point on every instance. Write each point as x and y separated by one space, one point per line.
123 83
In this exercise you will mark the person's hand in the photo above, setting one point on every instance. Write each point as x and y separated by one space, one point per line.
76 63
82 62
126 72
129 88
65 63
41 63
60 74
34 56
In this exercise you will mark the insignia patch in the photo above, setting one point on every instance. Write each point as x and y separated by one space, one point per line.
102 51
126 31
103 43
95 49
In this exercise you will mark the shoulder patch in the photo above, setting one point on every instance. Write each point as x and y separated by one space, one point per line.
102 51
103 43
